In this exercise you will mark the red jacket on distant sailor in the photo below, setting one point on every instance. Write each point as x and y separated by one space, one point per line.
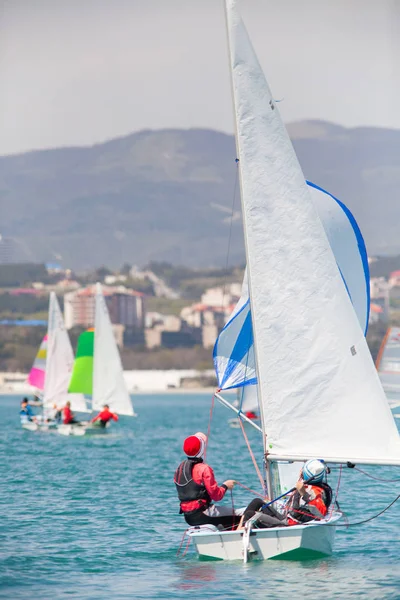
67 415
105 416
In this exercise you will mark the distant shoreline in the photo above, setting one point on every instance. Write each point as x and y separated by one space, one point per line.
167 392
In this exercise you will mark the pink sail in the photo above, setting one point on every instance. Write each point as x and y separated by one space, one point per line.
38 372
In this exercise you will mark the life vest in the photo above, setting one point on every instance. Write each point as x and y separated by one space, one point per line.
188 490
300 513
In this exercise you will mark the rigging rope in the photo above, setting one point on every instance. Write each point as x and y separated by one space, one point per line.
364 520
252 491
252 454
375 478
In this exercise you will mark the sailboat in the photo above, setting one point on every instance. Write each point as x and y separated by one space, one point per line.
52 368
97 371
309 356
388 365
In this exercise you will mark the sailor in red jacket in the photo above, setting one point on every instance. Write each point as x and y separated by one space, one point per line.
197 488
68 415
105 416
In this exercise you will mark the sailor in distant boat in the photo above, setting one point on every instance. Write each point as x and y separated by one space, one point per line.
105 416
53 414
26 413
68 415
250 414
197 488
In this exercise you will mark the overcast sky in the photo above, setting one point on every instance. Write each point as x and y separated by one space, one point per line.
76 72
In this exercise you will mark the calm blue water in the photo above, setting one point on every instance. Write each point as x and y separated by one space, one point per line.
98 517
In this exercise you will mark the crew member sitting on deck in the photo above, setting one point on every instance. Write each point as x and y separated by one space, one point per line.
26 413
197 488
308 503
105 416
68 415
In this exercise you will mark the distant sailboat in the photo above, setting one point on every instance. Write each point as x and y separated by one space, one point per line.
319 392
51 370
97 371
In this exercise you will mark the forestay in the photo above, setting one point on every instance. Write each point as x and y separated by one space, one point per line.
108 380
234 365
320 394
60 360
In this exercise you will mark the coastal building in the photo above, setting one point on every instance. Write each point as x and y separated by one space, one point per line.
394 279
170 331
380 296
394 286
375 313
222 297
126 307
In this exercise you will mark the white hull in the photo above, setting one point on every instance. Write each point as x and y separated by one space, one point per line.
299 542
30 426
84 429
38 426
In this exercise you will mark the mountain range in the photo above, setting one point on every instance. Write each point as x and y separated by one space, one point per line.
169 195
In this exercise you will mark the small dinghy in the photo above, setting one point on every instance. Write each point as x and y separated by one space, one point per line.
98 372
51 372
299 542
84 428
297 337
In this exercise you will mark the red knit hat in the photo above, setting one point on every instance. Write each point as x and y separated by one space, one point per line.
193 446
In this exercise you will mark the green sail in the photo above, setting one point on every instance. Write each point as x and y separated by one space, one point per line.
82 374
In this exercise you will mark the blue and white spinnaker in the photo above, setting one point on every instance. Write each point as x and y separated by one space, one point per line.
234 359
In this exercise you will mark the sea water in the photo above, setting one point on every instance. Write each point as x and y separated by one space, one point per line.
97 517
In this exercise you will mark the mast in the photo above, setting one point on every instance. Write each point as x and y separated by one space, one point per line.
249 278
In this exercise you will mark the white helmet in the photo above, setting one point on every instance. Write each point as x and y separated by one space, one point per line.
314 469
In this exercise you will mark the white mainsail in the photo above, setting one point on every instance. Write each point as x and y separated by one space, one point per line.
108 380
60 359
320 394
234 359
